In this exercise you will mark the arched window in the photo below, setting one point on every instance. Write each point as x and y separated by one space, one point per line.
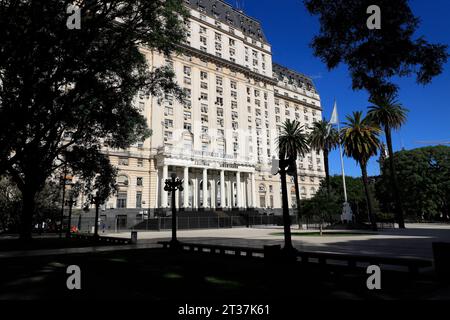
122 180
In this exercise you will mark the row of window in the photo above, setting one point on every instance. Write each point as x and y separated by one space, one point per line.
123 180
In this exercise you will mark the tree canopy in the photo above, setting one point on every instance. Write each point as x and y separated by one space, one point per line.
374 57
70 91
424 177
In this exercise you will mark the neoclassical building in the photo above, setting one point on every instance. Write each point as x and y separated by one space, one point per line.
222 139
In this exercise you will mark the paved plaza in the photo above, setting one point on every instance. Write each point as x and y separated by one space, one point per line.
415 241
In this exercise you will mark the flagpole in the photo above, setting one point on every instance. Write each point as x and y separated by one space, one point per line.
342 165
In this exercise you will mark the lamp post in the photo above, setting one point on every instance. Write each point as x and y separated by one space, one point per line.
97 201
70 203
63 202
171 185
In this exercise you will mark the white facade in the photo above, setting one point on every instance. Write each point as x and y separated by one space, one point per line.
226 131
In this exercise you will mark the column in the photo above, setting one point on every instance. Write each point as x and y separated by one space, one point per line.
238 189
194 193
165 174
222 188
205 188
186 188
253 190
230 195
212 203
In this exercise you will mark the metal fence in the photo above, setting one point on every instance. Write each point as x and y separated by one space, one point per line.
126 222
122 223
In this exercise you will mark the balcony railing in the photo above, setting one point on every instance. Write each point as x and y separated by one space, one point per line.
201 155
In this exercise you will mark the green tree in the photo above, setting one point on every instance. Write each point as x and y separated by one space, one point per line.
325 138
292 143
360 140
355 195
388 113
374 57
424 176
61 88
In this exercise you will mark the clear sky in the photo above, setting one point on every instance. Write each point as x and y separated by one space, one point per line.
290 28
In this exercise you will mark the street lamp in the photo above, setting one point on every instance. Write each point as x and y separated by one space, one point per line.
172 185
70 203
97 201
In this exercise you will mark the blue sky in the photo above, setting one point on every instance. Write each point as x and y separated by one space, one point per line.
290 28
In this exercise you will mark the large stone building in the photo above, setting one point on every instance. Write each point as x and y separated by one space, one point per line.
222 140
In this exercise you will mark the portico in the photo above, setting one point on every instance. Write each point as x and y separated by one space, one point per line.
209 187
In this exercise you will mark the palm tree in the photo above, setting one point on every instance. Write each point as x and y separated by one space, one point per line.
293 142
360 139
325 138
389 114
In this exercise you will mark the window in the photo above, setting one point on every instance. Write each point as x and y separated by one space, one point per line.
139 181
188 93
138 199
121 200
203 40
140 163
202 29
122 180
218 37
187 80
219 81
204 96
219 112
168 135
233 85
232 42
168 111
187 71
204 108
168 123
187 115
203 75
187 126
123 161
204 85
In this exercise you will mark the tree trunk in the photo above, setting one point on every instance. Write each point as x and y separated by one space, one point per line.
368 197
297 195
285 204
28 195
327 171
398 201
